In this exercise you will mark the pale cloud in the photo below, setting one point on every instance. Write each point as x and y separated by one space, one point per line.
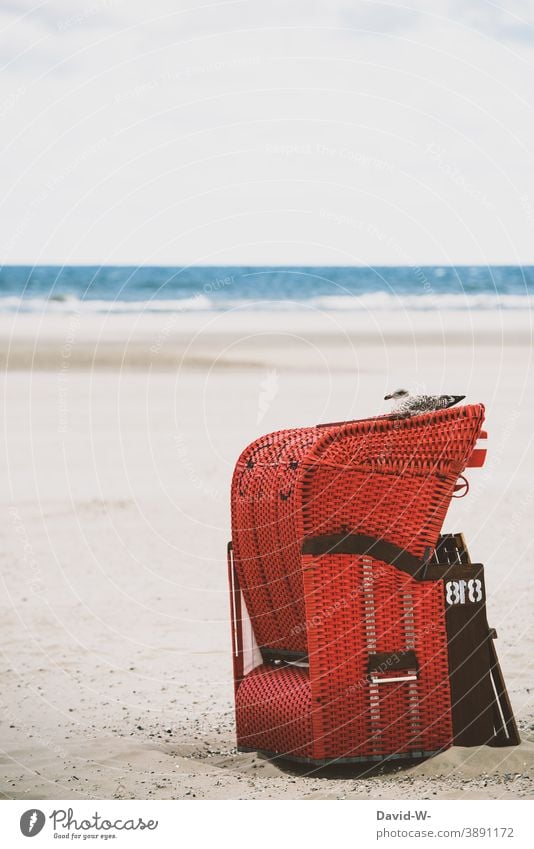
513 21
266 132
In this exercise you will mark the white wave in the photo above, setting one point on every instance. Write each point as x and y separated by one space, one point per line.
368 302
431 301
70 304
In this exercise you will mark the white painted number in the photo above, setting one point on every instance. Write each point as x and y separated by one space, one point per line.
474 587
455 591
451 592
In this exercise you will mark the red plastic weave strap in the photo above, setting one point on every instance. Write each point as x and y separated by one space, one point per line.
381 479
384 478
478 455
357 609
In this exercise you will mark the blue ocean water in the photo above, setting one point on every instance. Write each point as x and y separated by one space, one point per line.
130 289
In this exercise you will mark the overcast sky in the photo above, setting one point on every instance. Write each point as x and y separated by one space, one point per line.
334 132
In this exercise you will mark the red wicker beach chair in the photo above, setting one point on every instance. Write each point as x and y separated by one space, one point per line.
359 632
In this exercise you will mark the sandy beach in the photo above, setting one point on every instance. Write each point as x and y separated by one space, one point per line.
120 437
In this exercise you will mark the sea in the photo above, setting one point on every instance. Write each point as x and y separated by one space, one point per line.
123 289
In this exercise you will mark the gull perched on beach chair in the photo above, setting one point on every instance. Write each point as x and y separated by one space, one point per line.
414 405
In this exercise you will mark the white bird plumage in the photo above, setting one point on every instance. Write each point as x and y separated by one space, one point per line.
413 405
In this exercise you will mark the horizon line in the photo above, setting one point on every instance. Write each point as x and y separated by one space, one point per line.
265 265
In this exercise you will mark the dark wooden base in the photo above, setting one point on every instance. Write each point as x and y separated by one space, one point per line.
481 710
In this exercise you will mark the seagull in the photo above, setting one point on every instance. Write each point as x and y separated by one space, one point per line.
413 405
